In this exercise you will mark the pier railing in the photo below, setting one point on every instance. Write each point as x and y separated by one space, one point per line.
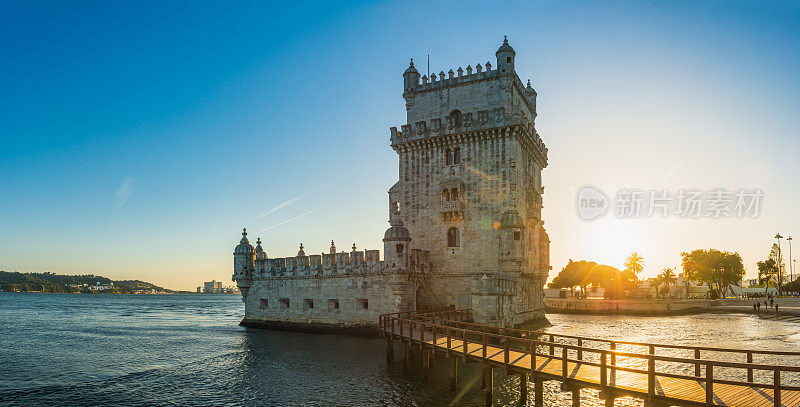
525 351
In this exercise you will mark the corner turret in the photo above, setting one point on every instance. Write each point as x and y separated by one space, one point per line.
505 58
530 94
410 79
243 264
395 245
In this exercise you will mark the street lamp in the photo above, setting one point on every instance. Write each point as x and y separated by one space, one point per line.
791 265
779 237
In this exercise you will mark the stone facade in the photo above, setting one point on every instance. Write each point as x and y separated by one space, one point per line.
466 228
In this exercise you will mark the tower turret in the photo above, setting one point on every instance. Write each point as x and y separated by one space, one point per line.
530 94
410 79
243 258
261 258
395 244
505 57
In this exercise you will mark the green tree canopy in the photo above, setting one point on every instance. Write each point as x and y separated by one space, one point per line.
769 273
714 268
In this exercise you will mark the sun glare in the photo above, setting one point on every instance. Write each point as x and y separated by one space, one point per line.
610 241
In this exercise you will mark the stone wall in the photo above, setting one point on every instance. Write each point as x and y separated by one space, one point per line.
634 307
347 302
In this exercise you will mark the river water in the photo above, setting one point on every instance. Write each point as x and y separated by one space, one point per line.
68 349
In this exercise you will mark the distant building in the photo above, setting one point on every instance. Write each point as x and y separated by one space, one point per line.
212 287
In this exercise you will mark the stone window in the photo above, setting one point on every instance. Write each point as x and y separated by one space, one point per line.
453 237
450 194
264 303
363 303
285 302
333 304
457 155
308 303
448 156
399 248
517 235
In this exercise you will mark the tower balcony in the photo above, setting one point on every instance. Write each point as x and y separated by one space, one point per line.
452 206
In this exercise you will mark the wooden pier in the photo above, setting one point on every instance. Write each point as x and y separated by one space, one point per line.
583 362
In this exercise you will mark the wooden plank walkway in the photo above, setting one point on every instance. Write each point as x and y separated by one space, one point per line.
613 380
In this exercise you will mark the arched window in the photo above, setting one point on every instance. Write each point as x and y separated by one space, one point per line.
448 156
446 195
454 194
453 238
457 155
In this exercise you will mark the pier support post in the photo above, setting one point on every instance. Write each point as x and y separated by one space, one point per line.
426 363
488 382
609 399
576 397
389 348
538 392
523 389
453 373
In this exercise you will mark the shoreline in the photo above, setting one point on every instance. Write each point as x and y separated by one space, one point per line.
787 307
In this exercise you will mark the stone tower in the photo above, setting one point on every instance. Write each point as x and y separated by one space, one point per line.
470 189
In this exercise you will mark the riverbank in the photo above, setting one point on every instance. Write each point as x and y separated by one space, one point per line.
788 307
625 307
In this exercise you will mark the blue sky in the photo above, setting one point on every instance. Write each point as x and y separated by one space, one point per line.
136 139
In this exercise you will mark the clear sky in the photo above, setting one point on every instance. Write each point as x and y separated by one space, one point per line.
138 138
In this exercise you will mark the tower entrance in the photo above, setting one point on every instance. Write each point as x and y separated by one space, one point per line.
424 302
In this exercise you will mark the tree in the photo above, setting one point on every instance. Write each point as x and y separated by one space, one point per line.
714 268
780 275
615 283
576 274
585 274
655 284
769 273
634 265
667 278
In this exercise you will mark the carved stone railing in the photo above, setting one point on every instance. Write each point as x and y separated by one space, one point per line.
452 206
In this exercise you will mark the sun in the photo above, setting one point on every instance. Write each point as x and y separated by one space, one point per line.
609 241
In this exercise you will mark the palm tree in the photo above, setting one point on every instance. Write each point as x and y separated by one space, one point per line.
634 265
667 277
656 283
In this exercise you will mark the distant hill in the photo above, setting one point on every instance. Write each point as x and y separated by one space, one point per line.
88 283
